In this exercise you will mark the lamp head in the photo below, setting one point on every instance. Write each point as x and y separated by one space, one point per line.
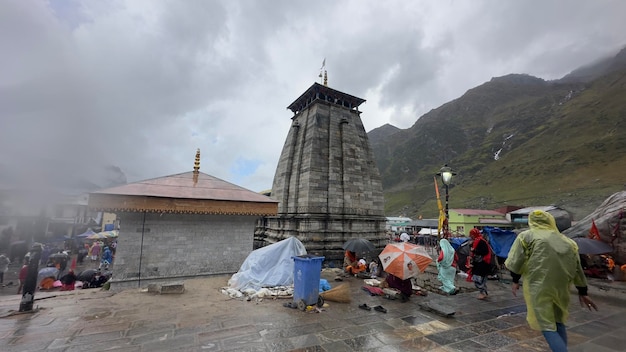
446 174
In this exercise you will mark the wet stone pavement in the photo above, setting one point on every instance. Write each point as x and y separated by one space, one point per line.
88 320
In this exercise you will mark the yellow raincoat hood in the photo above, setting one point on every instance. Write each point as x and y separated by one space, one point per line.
549 263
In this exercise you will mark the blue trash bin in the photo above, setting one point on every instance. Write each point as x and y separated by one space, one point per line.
306 280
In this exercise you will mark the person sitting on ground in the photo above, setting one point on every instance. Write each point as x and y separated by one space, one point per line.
404 286
351 264
374 269
68 281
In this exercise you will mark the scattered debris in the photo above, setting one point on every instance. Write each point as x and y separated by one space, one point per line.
250 294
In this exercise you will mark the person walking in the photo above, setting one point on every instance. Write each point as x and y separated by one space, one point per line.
95 251
479 262
107 258
549 263
21 277
446 267
4 267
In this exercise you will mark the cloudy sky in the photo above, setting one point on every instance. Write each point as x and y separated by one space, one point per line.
141 84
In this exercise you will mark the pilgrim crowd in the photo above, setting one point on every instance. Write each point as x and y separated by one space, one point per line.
58 267
542 261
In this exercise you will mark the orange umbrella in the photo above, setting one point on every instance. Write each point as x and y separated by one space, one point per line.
404 260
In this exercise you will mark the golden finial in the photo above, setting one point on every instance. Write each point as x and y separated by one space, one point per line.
196 168
196 164
325 78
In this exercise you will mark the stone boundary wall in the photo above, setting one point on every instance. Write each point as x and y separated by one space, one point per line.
177 246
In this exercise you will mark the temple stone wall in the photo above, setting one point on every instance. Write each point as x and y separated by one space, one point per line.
327 183
170 247
327 166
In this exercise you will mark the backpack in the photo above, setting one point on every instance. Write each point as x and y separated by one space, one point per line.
494 266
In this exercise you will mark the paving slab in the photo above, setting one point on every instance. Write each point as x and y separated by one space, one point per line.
203 319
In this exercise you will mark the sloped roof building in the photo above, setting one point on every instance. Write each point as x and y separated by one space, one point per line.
180 226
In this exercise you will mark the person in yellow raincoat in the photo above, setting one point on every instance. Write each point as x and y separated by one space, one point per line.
549 263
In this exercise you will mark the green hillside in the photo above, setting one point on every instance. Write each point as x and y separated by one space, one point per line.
557 142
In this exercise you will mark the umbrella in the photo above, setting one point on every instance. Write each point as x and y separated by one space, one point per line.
404 260
107 234
359 246
97 236
47 272
86 275
87 233
590 246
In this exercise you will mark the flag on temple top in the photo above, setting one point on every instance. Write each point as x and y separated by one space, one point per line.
593 231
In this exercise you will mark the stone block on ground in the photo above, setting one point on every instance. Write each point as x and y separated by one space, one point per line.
438 308
169 288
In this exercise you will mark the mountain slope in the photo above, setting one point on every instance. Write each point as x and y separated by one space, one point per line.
515 140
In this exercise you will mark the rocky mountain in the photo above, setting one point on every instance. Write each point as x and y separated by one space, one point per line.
515 140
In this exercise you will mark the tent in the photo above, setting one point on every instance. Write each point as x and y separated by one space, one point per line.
269 266
456 242
500 240
428 231
426 237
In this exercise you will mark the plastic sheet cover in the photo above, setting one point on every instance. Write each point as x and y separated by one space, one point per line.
500 240
268 266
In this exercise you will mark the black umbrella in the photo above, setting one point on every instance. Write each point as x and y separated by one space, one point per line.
86 275
359 245
590 246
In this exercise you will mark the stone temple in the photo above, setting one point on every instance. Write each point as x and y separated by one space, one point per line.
327 184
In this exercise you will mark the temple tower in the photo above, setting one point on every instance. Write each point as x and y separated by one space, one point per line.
327 183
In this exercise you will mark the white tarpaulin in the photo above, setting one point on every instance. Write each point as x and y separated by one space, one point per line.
269 266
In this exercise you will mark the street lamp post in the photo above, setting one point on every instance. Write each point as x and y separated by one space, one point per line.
446 174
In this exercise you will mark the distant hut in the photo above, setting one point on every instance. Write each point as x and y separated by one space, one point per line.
180 226
562 217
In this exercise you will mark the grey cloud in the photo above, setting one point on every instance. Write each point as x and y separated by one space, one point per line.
141 85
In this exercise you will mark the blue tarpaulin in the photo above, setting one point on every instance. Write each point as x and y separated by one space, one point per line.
456 242
500 240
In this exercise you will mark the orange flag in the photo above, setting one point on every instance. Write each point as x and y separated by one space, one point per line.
593 232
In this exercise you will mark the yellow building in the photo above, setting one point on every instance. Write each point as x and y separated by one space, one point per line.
461 221
108 219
